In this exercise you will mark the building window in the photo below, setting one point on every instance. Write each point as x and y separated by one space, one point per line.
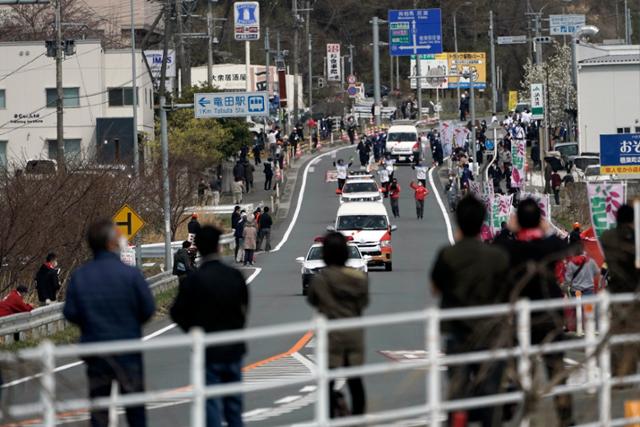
3 99
71 97
625 130
72 149
3 154
121 96
637 129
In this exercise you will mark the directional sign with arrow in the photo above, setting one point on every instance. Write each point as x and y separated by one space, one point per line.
128 221
204 102
230 104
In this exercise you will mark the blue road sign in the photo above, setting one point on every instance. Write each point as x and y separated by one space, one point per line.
415 31
620 154
230 104
246 20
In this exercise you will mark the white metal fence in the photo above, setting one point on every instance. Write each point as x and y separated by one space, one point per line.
595 344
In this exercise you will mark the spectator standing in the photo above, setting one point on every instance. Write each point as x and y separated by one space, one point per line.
216 189
47 280
265 224
216 298
383 173
14 303
248 176
268 174
421 193
235 217
182 263
394 197
340 292
202 188
237 188
238 234
471 273
619 251
238 171
110 301
257 148
581 274
250 238
193 227
556 182
534 246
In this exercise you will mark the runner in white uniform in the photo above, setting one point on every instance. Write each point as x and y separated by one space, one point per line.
421 173
343 171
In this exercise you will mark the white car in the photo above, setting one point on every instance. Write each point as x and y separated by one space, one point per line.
592 174
360 190
403 143
313 263
358 174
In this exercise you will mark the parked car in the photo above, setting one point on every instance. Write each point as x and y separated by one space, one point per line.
592 174
567 150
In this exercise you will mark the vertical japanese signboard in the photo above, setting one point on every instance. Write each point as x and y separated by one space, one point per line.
334 73
537 101
605 198
500 212
620 154
518 155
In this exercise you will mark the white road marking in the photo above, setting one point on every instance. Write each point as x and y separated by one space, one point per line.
306 362
303 187
145 338
287 399
443 208
255 412
312 170
308 389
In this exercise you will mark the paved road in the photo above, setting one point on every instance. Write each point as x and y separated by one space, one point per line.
276 298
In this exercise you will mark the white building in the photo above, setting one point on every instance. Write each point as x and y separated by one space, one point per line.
608 92
97 103
114 17
233 77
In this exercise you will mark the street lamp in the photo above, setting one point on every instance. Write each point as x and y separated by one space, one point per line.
585 31
455 32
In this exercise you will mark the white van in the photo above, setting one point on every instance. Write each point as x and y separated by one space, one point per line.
367 225
402 142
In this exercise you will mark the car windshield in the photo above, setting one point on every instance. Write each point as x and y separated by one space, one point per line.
582 162
402 137
360 187
592 171
568 150
315 253
362 222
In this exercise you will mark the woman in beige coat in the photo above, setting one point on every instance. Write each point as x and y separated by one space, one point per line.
250 235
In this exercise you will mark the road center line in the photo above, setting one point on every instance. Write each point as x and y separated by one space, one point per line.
443 208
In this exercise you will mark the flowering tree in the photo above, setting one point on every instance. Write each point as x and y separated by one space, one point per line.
555 73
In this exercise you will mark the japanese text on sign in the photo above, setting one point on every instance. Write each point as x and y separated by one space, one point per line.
334 72
415 31
620 153
230 104
246 20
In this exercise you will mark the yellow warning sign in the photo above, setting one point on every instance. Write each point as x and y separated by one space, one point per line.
128 221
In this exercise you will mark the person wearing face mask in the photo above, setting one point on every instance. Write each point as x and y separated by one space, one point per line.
110 301
47 282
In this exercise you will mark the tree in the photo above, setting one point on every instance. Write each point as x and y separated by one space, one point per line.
555 73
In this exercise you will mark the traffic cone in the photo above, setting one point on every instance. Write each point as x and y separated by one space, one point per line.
459 419
298 152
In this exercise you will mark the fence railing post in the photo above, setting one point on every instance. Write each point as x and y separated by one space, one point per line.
524 361
322 367
48 384
433 352
604 397
198 374
590 338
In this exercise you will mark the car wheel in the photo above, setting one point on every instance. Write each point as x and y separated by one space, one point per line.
388 266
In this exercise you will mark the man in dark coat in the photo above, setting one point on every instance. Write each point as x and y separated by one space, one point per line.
216 298
110 301
47 282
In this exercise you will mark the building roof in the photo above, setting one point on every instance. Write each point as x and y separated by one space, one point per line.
613 59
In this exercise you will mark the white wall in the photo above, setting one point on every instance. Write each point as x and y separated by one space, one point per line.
608 98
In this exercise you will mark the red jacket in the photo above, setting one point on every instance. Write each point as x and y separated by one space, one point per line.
394 194
421 191
13 303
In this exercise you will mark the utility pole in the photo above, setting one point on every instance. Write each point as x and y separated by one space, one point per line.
398 72
538 45
134 90
59 90
494 85
164 141
376 70
180 42
351 69
418 65
267 62
309 57
296 58
209 43
455 47
627 23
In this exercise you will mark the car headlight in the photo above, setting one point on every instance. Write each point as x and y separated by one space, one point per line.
385 244
306 270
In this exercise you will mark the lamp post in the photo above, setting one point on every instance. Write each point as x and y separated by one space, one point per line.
585 31
455 33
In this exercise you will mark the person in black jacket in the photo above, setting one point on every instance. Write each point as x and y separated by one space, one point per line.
268 174
193 227
47 282
264 232
238 234
216 298
182 262
235 217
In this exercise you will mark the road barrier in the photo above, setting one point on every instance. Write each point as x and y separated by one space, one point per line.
47 320
156 250
596 346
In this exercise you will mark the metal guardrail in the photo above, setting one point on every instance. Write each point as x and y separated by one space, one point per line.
47 320
223 209
156 250
596 346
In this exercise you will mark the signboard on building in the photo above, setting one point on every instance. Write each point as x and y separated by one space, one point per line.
334 73
620 154
246 20
154 58
474 63
415 31
434 70
562 25
537 101
230 104
512 39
